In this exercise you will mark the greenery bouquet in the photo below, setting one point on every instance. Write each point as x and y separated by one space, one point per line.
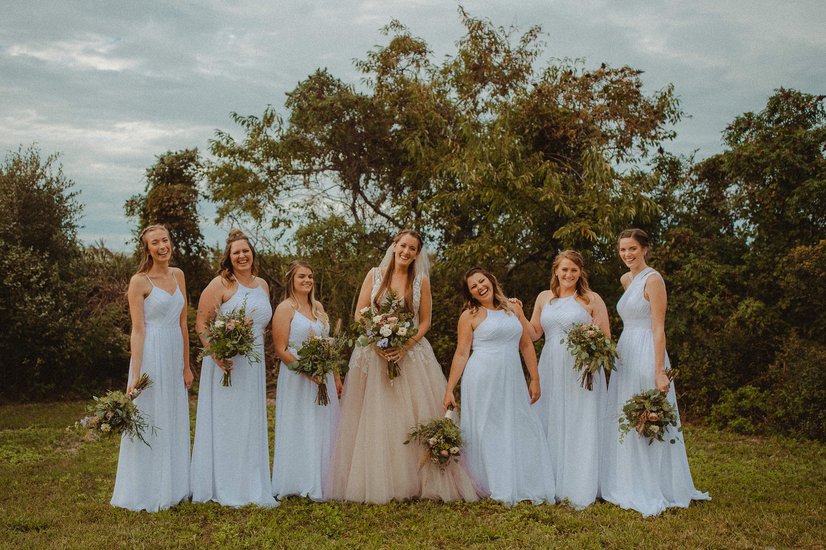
390 327
592 350
115 413
442 439
318 356
649 413
230 334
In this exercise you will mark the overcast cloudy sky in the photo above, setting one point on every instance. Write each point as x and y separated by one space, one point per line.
112 84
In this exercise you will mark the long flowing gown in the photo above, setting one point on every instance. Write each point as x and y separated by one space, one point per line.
157 477
634 474
230 458
304 431
371 462
505 446
570 414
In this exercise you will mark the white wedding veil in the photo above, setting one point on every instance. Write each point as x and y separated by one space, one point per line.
421 265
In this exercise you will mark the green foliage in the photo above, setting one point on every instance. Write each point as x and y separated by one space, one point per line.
798 397
741 252
745 410
62 328
498 161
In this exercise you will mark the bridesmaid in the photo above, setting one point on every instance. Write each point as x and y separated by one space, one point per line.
505 447
304 430
157 477
636 475
570 414
230 458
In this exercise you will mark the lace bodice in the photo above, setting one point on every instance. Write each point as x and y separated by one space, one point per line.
417 292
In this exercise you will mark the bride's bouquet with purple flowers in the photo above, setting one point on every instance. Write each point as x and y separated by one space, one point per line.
115 413
230 334
390 327
442 439
592 350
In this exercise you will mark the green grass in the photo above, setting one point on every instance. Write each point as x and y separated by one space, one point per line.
54 493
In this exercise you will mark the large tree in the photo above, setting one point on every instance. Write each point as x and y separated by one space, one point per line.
496 159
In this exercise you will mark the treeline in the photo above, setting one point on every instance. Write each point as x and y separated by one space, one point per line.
499 162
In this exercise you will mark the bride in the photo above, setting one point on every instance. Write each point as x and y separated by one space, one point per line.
371 462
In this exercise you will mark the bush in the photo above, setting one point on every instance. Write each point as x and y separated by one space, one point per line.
799 402
744 411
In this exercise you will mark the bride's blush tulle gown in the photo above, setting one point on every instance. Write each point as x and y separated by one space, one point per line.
371 462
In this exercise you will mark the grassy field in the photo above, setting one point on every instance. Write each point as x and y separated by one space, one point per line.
54 493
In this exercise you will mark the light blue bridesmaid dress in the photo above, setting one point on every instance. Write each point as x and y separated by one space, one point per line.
505 446
157 477
304 431
569 413
634 474
230 458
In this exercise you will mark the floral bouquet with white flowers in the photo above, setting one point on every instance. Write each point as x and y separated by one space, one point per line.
649 413
230 334
442 439
592 350
390 327
317 356
115 414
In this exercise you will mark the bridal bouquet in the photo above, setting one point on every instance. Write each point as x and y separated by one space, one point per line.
115 413
442 439
592 350
649 413
390 327
230 334
317 356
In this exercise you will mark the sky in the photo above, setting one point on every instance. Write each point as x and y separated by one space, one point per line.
112 85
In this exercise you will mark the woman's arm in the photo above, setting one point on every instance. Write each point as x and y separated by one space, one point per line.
529 353
464 340
534 326
364 295
138 289
656 295
211 299
599 314
281 320
187 372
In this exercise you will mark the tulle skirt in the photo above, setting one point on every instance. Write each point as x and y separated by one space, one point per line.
371 463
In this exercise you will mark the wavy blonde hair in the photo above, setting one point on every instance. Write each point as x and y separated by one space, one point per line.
500 301
146 261
582 286
289 291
